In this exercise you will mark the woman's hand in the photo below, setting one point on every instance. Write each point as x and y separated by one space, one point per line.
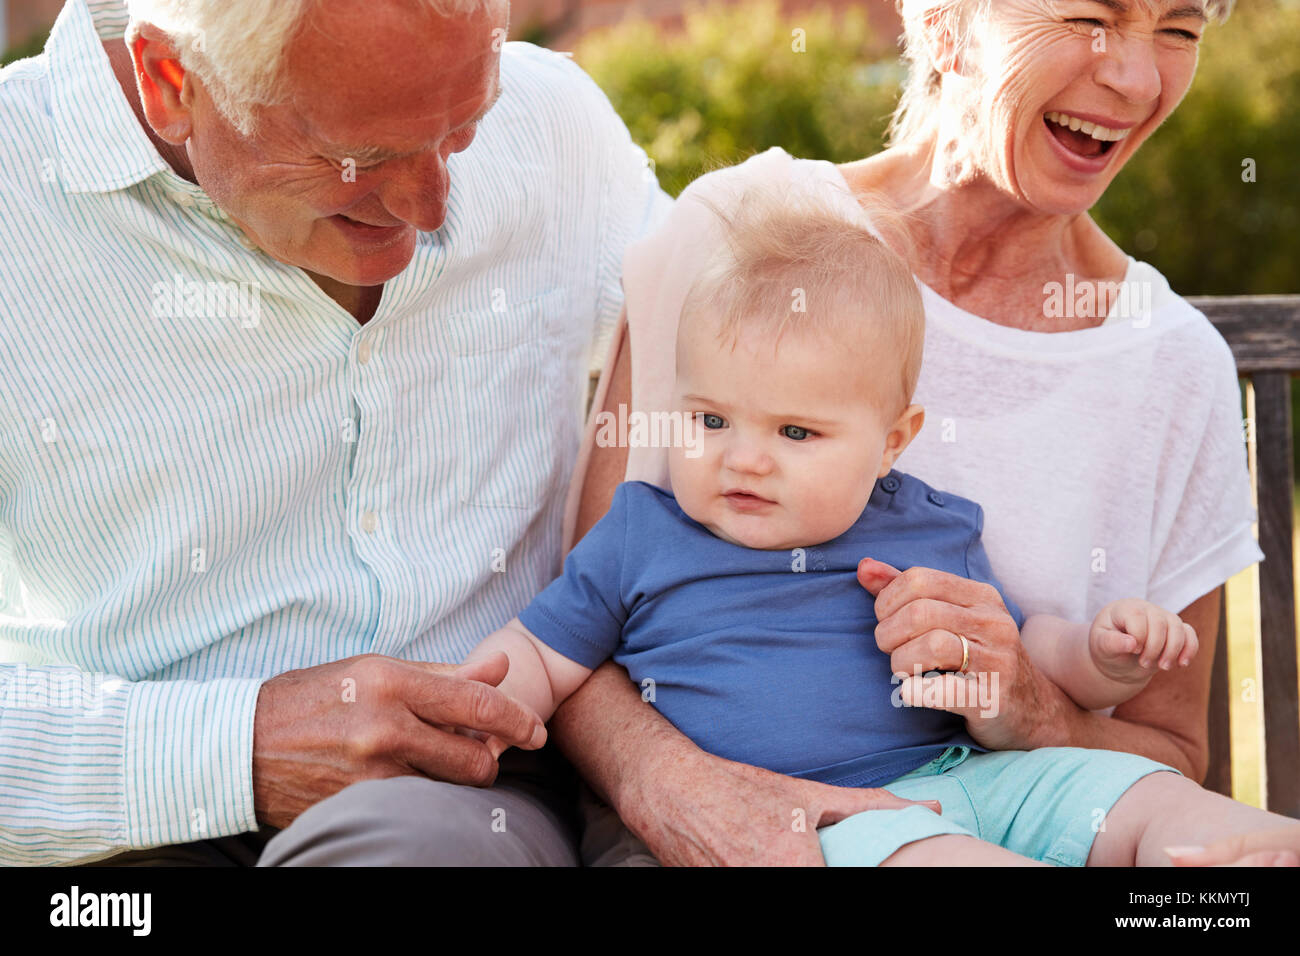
921 612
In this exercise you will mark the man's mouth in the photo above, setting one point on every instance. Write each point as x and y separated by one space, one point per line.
1081 137
365 230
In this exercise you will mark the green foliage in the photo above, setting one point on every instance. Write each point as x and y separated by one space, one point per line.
729 85
1182 204
31 48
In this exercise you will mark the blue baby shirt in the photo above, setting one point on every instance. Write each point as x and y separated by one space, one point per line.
765 657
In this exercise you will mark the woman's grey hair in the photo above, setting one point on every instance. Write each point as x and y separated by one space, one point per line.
236 47
918 105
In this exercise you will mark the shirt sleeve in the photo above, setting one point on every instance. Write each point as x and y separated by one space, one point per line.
978 568
582 612
1203 531
92 764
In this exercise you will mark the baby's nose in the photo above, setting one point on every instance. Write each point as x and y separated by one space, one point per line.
749 458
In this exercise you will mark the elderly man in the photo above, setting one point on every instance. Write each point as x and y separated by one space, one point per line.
298 302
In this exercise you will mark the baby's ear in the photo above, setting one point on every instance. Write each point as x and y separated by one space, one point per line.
900 435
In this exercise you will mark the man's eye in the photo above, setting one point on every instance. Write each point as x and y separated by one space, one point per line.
795 433
712 421
1185 35
1087 22
351 165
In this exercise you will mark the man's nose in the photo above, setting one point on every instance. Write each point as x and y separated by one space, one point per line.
416 191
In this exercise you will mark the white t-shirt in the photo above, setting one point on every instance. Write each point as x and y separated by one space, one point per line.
1109 461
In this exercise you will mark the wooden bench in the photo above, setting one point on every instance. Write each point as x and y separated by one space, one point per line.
1264 334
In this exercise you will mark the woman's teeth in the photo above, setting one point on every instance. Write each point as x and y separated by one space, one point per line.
1103 133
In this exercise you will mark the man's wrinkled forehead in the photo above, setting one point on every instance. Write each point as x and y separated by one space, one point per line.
393 81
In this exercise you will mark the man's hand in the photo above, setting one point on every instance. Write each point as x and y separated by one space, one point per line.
322 728
701 810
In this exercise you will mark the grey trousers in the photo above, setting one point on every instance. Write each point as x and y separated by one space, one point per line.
526 819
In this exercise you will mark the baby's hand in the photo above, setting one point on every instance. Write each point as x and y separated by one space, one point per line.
1130 635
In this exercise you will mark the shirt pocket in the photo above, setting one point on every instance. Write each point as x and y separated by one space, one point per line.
505 369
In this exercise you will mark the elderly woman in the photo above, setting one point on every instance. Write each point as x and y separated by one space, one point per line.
1090 410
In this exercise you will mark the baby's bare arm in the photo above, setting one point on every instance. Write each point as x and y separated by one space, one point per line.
1059 648
539 676
1114 658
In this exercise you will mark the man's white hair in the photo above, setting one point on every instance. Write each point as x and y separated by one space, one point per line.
918 105
236 47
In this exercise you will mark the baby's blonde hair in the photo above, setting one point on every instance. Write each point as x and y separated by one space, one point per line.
792 260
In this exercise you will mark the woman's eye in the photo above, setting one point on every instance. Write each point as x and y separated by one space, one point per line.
1185 35
795 433
1087 22
712 421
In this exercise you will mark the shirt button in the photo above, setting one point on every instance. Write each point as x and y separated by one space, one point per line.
363 352
936 498
184 200
890 483
369 521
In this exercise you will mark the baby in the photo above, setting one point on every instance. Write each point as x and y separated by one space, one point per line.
733 600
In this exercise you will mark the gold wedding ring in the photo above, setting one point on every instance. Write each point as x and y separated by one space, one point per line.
965 654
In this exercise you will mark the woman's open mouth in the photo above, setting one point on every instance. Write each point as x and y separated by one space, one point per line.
1087 141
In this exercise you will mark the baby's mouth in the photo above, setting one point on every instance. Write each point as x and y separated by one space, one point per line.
745 500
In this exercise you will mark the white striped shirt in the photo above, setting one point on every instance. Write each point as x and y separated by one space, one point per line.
211 474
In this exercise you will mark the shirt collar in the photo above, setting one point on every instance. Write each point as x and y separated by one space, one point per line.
101 145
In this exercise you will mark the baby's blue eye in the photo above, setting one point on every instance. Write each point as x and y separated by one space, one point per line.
713 421
794 432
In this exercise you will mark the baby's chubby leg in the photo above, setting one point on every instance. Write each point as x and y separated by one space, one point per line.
1164 809
952 849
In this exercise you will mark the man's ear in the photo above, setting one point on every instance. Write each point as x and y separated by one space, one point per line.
900 436
165 92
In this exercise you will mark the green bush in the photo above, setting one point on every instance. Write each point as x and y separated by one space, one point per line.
732 84
1182 202
729 84
31 47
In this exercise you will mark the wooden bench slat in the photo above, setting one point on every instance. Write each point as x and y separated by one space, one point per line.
1274 481
1263 331
1219 776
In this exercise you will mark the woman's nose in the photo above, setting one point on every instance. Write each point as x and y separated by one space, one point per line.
1128 66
